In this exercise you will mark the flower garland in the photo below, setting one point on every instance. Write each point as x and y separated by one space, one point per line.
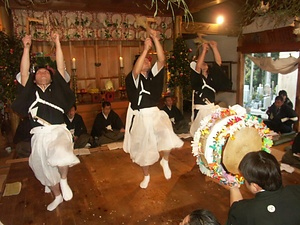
209 156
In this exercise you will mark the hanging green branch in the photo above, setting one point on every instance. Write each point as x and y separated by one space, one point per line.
170 4
279 11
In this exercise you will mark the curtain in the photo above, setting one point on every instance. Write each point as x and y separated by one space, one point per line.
282 66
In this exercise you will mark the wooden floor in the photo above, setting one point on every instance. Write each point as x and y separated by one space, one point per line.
106 191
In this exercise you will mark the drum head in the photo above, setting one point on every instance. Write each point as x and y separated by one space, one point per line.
245 140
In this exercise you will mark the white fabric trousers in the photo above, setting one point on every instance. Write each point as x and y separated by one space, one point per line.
203 111
150 132
52 147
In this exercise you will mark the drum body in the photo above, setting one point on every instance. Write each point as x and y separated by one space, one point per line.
222 140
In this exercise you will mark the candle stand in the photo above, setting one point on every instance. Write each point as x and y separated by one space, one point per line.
74 84
122 87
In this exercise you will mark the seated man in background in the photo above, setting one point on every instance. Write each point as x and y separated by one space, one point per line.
108 126
77 128
180 125
22 138
273 203
281 116
285 97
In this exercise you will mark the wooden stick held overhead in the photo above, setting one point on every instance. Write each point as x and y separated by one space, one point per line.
30 19
200 40
144 23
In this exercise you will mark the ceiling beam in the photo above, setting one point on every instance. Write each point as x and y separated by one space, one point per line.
197 5
209 28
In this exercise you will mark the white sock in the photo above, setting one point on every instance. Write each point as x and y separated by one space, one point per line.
145 182
58 199
47 189
165 165
66 190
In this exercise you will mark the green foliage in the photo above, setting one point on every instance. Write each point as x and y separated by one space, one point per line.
279 11
258 73
179 68
40 60
10 55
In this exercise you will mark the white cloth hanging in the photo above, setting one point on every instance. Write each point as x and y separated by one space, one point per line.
282 65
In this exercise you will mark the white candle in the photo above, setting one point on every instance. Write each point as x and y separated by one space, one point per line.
73 63
121 62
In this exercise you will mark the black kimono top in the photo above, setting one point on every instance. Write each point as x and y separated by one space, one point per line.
51 104
145 92
77 124
205 88
173 113
101 123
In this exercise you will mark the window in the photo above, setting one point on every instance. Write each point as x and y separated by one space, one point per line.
261 87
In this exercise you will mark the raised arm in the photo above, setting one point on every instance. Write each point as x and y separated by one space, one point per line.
59 55
138 66
216 52
161 59
25 60
201 57
235 195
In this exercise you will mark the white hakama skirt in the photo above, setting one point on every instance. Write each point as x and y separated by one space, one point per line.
203 111
148 131
52 147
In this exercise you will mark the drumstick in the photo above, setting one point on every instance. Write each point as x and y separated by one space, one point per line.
200 40
30 19
41 121
143 23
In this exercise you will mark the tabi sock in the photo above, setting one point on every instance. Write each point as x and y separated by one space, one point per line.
66 190
165 165
145 182
58 199
47 189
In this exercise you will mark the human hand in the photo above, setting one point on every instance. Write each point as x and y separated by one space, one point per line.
213 44
26 41
147 44
205 47
122 130
55 37
154 34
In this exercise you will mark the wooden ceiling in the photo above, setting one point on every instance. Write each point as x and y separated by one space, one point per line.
126 6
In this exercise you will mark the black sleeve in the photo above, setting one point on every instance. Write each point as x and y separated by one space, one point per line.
289 111
24 97
96 130
116 121
196 80
67 96
131 89
80 127
221 81
157 85
178 114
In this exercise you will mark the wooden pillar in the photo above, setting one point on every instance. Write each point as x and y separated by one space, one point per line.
178 90
297 105
177 28
240 79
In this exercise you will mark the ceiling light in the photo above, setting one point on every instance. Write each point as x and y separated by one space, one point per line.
220 19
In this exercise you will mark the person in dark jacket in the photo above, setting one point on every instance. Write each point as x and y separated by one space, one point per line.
205 82
180 125
286 99
22 138
76 126
273 203
45 95
108 126
281 116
